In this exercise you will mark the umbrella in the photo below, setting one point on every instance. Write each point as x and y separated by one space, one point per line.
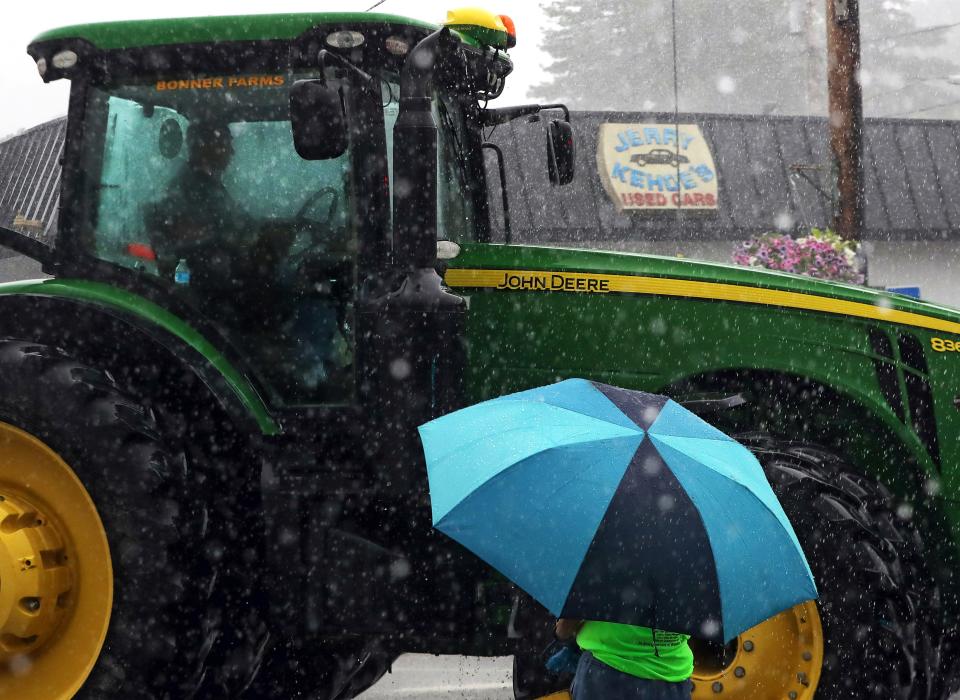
616 505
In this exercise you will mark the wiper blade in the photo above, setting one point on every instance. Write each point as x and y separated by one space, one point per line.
343 63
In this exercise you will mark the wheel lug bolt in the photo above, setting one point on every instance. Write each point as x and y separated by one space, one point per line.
717 687
748 645
30 604
792 695
739 671
807 656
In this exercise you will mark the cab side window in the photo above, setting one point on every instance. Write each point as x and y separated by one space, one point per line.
456 215
143 150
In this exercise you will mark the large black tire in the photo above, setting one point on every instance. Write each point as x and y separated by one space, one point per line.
879 606
356 673
297 671
531 679
951 683
179 628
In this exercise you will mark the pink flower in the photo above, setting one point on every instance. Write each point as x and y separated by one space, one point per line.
821 254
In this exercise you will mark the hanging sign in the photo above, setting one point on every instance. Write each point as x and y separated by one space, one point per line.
657 166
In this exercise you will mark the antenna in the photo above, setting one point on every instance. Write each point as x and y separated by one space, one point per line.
676 104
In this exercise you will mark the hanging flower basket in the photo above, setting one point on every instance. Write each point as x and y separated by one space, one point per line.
822 254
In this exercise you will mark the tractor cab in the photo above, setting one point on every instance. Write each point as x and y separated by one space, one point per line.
192 181
251 180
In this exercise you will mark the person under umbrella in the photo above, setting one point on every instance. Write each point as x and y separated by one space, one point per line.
621 508
628 661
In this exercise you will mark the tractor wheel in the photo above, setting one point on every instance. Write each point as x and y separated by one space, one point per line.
358 673
532 682
294 671
116 547
873 633
531 679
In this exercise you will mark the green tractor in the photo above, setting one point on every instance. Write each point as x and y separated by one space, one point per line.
274 260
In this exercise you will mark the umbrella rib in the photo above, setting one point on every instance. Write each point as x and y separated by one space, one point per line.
518 464
531 455
798 552
634 427
732 476
579 438
656 433
654 624
745 487
507 431
776 517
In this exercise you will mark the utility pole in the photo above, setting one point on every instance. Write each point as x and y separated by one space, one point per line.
846 114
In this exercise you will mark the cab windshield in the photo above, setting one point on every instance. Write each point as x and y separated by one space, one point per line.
200 162
196 181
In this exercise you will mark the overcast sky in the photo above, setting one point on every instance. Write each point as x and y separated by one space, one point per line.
27 101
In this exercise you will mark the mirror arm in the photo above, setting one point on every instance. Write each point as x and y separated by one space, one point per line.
416 76
415 156
493 117
561 107
507 231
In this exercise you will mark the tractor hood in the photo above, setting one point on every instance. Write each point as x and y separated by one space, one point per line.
531 268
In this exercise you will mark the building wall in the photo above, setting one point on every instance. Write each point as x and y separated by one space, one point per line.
930 265
30 180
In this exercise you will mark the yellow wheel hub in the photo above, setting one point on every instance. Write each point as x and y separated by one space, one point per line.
779 659
56 578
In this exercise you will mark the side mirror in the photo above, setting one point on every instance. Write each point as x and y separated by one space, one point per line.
560 152
317 120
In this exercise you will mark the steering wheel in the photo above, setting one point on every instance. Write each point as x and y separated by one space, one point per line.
320 251
313 235
301 215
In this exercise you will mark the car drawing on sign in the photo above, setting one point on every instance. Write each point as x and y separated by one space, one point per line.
659 156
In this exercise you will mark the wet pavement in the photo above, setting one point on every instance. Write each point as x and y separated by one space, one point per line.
428 677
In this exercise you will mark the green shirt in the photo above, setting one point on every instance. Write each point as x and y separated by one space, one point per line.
638 651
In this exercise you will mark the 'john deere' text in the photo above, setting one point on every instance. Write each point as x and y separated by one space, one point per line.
554 282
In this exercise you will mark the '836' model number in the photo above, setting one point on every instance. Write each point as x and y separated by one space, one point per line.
941 345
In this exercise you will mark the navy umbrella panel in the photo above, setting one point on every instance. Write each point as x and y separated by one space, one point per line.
616 505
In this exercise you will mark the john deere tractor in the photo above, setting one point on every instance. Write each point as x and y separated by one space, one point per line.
274 259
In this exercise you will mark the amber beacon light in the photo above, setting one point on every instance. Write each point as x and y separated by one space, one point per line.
511 31
483 26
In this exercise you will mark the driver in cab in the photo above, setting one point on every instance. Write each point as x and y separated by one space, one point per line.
198 221
236 264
